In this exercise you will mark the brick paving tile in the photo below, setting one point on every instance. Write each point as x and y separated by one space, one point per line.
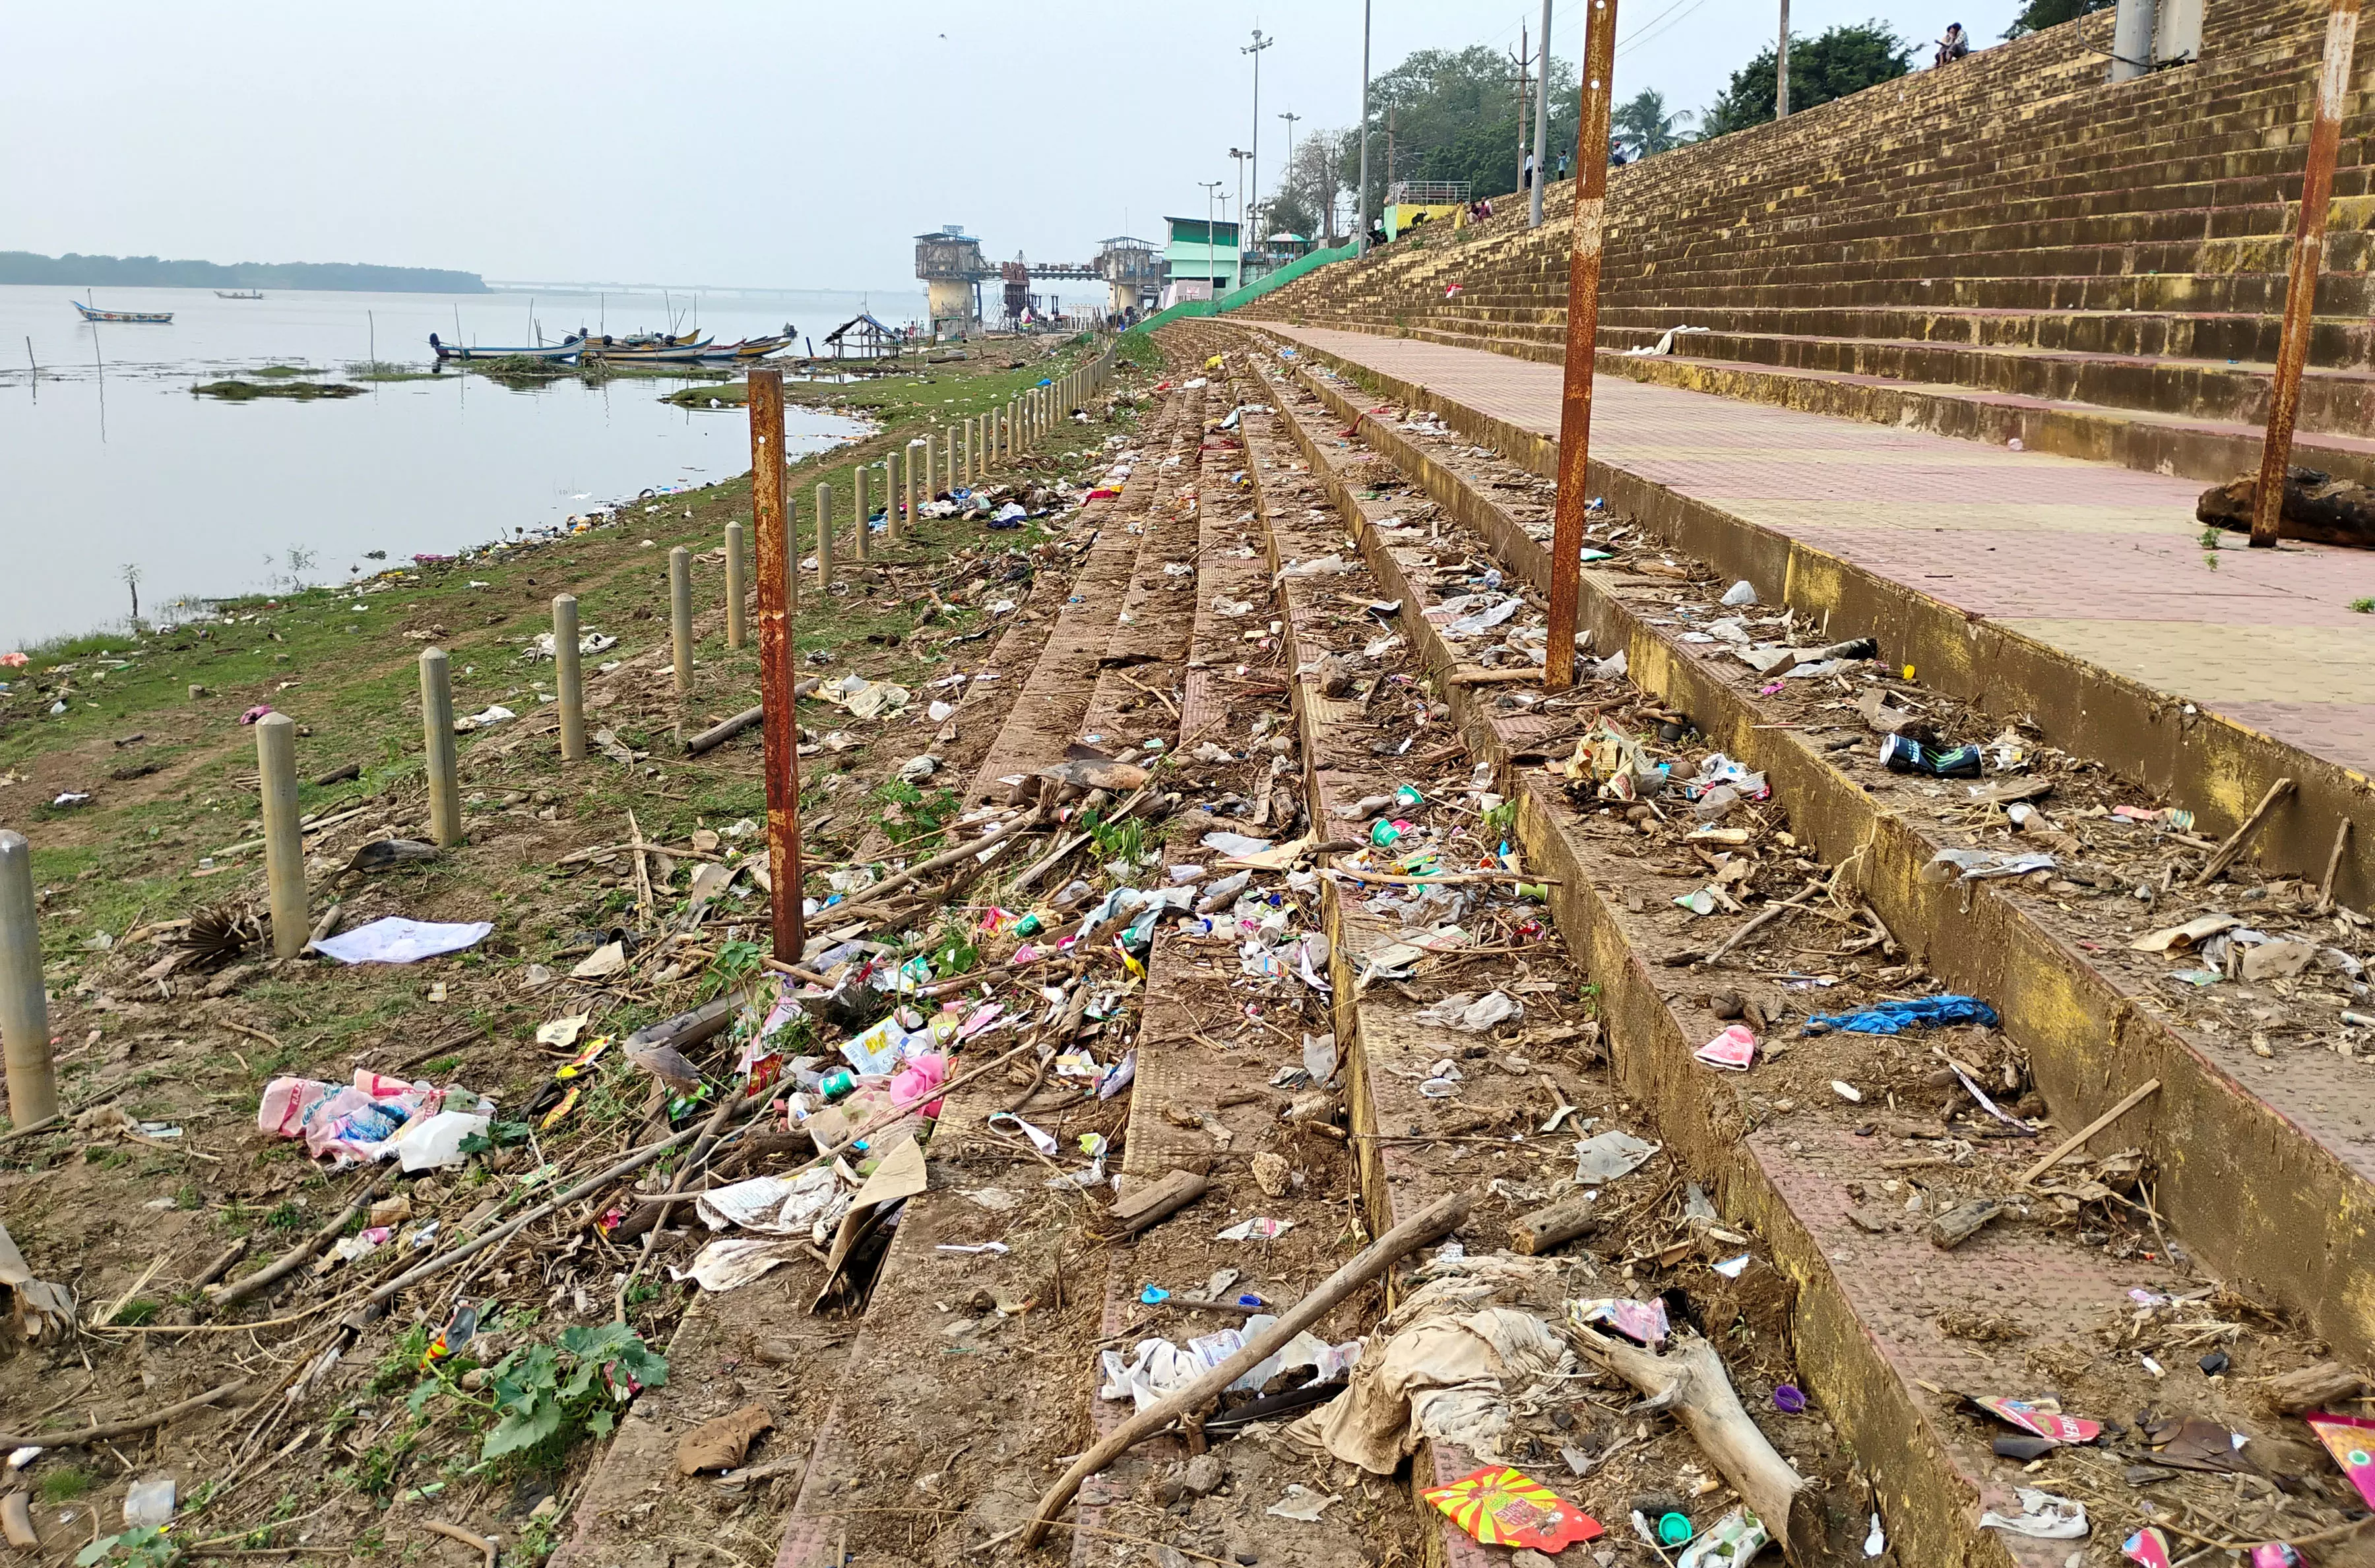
2101 562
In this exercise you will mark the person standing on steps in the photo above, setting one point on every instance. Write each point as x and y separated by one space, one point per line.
1954 46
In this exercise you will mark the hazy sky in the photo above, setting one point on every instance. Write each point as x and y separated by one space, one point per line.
793 144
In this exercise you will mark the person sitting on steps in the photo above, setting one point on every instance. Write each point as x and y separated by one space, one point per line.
1954 46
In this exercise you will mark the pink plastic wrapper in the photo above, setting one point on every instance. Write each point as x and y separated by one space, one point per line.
1733 1049
922 1075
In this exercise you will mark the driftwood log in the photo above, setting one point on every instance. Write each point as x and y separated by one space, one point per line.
1689 1383
2318 508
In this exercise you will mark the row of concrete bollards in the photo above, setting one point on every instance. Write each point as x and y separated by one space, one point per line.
953 458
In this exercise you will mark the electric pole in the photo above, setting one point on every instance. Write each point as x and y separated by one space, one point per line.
1363 215
1781 68
1290 117
1541 125
1521 62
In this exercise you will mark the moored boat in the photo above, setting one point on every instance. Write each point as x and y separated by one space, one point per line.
560 353
155 317
239 293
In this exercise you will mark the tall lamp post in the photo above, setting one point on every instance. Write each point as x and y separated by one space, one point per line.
1290 117
1241 155
1211 189
1541 125
1361 215
1254 49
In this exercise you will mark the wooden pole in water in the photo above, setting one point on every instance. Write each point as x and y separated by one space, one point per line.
568 688
824 537
775 541
284 847
2308 259
680 616
437 746
736 585
24 1004
1582 335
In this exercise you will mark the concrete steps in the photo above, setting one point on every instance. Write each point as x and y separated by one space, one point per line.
1871 1301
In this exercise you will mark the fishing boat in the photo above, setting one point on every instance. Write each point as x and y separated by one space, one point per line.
619 352
748 349
239 293
561 353
155 317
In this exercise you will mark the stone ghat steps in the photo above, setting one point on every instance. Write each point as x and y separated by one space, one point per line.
1861 1336
1863 1314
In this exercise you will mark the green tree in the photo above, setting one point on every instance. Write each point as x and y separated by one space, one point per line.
2038 15
1454 115
1644 126
1844 60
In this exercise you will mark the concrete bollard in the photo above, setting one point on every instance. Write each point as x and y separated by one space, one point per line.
680 616
569 687
824 535
24 1004
949 460
860 546
894 499
737 634
437 752
284 845
927 482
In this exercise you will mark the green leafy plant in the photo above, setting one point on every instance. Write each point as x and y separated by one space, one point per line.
1115 840
145 1548
2364 607
548 1395
736 964
952 948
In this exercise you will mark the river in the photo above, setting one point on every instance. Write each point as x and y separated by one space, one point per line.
113 466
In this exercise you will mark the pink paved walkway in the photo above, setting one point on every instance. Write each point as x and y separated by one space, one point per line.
2098 560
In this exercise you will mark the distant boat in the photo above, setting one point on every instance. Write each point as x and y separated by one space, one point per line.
628 353
558 353
158 317
239 293
748 349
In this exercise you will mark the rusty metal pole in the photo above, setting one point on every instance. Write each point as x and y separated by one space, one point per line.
2308 259
776 557
1582 333
24 1001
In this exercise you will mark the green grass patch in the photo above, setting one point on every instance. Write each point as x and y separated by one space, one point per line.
302 391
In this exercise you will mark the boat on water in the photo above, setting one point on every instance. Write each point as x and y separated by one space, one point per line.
561 353
239 293
621 351
157 318
748 349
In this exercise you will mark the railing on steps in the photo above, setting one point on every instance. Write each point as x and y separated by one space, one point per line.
1265 284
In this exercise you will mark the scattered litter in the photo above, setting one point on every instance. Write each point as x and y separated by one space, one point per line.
148 1506
1731 1267
736 1261
1258 1228
1505 1507
1604 1157
1734 1049
1644 1323
1471 1014
1729 1542
397 940
2043 1514
1895 1017
2351 1441
1790 1399
2040 1418
1301 1504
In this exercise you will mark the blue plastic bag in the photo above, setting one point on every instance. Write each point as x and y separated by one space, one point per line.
1895 1017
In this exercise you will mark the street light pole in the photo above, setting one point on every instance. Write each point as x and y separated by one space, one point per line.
1781 67
1241 155
1259 43
1542 124
1210 186
1290 117
1363 217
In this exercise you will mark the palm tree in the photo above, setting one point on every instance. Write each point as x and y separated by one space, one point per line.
1645 128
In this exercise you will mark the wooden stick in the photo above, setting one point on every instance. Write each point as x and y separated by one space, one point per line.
1491 676
2332 863
875 894
2077 1140
2236 839
117 1429
453 1255
718 735
1437 1220
454 1532
296 1258
1689 1382
1762 919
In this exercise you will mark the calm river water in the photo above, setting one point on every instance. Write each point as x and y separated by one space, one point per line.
107 461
